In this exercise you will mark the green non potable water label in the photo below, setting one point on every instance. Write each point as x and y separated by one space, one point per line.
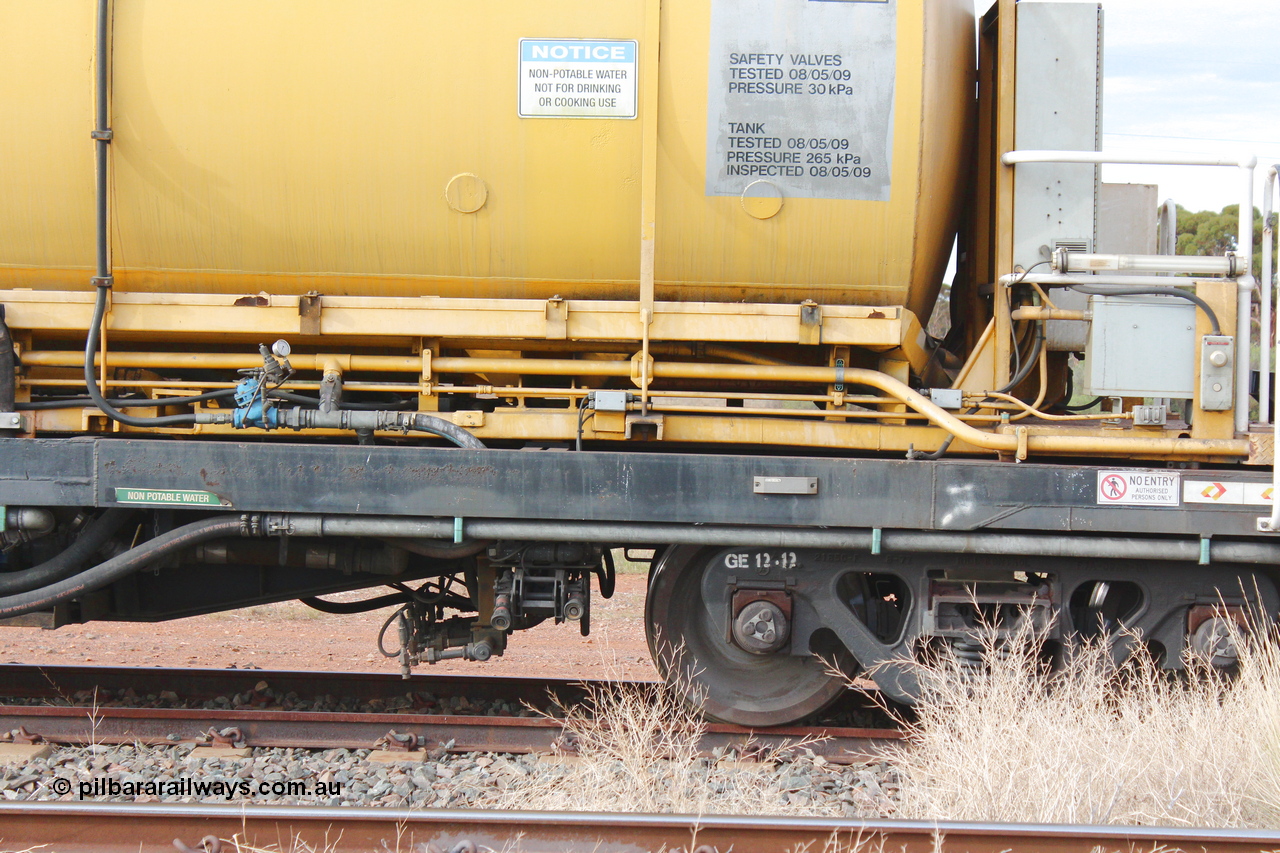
168 497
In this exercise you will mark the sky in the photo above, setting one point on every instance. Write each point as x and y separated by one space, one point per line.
1191 76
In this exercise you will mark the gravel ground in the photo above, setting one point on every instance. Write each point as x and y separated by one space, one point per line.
341 777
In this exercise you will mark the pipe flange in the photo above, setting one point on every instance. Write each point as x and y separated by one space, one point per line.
761 628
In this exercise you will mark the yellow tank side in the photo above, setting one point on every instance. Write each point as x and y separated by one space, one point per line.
46 176
291 146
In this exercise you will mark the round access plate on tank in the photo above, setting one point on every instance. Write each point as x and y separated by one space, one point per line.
466 193
762 199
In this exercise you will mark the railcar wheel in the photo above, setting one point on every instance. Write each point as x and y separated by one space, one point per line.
688 631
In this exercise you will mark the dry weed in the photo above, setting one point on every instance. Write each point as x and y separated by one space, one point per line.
635 748
1094 743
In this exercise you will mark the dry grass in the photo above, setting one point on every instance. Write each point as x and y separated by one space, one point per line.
1096 744
635 748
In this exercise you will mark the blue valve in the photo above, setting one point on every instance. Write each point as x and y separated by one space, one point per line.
253 408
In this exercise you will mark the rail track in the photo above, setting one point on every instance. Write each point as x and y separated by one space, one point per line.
54 705
108 828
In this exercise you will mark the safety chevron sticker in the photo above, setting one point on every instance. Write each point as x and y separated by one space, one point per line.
1226 492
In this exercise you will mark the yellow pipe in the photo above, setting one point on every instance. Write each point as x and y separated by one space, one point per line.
225 361
1035 312
873 379
678 370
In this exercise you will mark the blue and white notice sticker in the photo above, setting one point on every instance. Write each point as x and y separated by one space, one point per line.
578 78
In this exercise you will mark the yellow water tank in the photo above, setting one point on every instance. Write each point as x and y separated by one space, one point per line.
805 149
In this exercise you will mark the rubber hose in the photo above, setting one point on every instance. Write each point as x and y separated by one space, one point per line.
437 549
608 575
369 604
364 606
7 390
445 429
123 565
71 559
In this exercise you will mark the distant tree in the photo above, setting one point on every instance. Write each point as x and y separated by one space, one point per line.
1209 233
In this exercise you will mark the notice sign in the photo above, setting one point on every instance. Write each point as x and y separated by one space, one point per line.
168 497
800 95
577 78
1139 488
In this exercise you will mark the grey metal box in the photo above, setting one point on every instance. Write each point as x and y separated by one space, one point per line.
1059 75
1141 346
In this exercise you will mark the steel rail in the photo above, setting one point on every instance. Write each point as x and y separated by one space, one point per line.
206 683
71 827
107 723
459 733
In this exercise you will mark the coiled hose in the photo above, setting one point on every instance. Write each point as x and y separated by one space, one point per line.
123 565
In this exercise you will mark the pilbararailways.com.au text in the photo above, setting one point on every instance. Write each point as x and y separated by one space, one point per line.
197 788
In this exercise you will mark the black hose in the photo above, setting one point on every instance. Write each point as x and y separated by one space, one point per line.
608 575
91 379
1100 290
1025 370
942 448
363 606
125 564
124 402
444 429
7 387
1083 407
70 561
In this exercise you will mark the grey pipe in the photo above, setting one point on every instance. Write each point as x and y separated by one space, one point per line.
438 550
900 541
300 419
29 519
1009 544
102 138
